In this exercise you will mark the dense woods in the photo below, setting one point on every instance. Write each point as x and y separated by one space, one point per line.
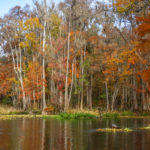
78 54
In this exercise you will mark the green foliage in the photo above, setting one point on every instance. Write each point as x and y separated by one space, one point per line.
145 114
110 115
127 113
7 100
102 96
127 129
68 116
55 22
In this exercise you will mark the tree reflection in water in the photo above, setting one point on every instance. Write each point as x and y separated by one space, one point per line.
39 134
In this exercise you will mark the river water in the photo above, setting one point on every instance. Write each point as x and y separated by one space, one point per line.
41 134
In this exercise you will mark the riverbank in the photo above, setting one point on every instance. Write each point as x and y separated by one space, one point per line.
62 116
124 114
12 113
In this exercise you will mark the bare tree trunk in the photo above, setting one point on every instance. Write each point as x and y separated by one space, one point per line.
126 97
67 73
135 104
43 60
114 97
71 84
107 95
89 94
82 71
17 65
143 97
123 98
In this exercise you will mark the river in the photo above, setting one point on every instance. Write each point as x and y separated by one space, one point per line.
49 134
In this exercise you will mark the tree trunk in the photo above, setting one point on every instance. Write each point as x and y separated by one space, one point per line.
135 104
107 95
114 97
143 97
71 84
43 59
67 73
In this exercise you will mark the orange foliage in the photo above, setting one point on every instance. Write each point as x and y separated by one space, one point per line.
33 82
6 77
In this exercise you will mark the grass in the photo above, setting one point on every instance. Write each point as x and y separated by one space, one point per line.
114 130
70 116
62 116
94 112
10 117
12 113
128 114
110 115
73 114
5 110
145 128
79 114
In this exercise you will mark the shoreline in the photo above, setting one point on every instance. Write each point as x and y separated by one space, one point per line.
58 116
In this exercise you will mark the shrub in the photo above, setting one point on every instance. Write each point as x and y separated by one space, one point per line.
68 116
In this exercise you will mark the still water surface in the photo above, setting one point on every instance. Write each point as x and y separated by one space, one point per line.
39 134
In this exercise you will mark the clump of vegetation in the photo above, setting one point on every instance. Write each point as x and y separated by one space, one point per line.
69 116
110 115
85 111
145 114
117 114
127 113
109 130
127 130
114 130
146 128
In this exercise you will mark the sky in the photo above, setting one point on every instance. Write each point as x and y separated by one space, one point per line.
6 5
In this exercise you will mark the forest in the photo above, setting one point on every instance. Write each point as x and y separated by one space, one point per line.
77 54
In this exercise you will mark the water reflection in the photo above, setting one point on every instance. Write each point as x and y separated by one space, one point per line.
38 134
